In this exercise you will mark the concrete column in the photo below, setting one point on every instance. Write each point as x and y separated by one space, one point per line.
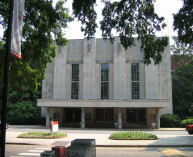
157 112
82 117
119 120
89 67
119 70
47 116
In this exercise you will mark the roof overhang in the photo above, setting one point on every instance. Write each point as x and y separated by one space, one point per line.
104 103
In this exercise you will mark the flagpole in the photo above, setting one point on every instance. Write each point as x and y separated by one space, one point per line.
5 81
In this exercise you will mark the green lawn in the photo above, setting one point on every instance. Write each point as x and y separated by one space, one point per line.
43 135
132 136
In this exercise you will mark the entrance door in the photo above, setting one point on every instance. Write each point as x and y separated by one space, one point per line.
73 115
136 115
104 114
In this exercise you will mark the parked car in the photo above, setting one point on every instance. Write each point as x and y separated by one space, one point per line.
189 129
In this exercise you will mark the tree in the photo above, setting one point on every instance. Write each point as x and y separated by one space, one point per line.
128 18
183 23
22 107
183 89
182 78
181 52
43 25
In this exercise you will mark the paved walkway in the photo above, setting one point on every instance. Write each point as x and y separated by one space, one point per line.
101 138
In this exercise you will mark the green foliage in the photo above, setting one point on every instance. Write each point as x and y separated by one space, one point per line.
182 54
183 89
84 11
24 112
132 136
170 120
43 25
128 18
22 108
42 135
188 121
183 22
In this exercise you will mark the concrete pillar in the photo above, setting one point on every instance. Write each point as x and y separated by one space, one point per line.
119 120
47 116
157 118
82 117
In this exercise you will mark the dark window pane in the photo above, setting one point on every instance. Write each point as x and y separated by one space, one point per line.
104 114
136 115
135 90
75 72
100 114
131 115
69 115
104 72
75 79
135 72
73 115
109 114
104 90
77 115
74 90
135 80
104 81
141 115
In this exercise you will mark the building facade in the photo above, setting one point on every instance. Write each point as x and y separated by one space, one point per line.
96 83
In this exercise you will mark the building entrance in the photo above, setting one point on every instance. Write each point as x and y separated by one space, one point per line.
104 115
73 115
136 115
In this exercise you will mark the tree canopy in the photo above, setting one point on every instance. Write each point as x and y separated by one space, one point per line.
182 78
129 18
183 23
43 23
181 52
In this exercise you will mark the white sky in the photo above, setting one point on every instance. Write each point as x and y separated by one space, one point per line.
162 7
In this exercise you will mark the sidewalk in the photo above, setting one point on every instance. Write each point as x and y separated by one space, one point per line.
101 137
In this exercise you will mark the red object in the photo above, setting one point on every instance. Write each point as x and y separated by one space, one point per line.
189 129
54 122
60 151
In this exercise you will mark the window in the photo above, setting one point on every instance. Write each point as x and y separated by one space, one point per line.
75 81
104 114
73 115
136 115
104 81
135 80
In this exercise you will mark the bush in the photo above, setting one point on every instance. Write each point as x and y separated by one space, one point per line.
170 120
186 122
43 135
132 136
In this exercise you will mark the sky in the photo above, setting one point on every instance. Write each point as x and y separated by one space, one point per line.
162 7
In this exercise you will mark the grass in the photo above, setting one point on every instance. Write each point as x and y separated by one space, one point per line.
132 136
43 135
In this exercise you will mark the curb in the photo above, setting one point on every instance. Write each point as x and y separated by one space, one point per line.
22 143
144 146
113 145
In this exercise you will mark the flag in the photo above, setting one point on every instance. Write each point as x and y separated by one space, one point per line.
17 24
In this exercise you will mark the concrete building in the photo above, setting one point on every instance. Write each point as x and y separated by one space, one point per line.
96 83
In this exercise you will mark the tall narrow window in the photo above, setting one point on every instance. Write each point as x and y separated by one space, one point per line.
104 81
74 81
135 80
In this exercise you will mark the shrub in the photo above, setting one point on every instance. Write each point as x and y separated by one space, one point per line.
132 136
44 135
186 122
170 120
